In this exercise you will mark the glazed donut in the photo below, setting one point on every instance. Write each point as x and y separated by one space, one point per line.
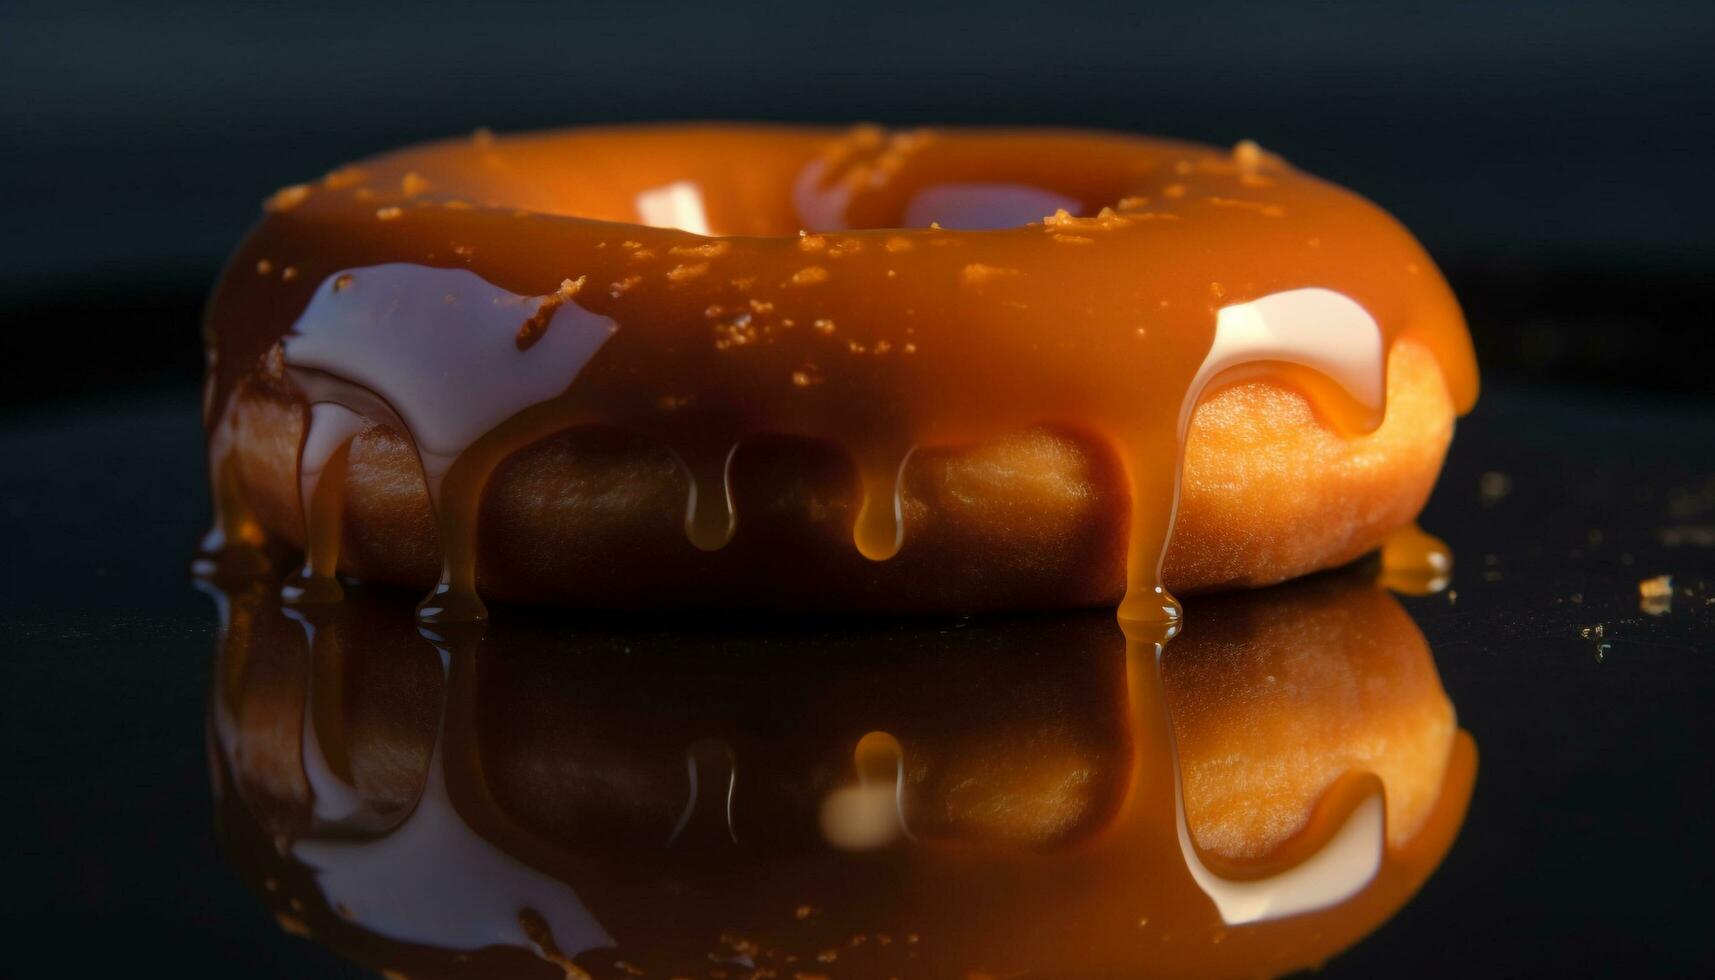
755 367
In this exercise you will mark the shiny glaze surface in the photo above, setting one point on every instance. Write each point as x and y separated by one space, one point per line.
705 284
1045 796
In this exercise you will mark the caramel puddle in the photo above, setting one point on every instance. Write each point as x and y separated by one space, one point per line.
809 313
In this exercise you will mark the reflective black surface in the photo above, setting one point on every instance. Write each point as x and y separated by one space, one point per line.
1586 849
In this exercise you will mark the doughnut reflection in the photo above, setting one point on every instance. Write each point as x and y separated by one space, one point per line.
978 798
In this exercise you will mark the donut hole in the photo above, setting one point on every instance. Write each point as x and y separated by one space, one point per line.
730 182
984 206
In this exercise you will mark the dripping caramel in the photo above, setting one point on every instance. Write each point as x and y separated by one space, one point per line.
810 312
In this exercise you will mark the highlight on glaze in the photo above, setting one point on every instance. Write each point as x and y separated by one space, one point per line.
883 292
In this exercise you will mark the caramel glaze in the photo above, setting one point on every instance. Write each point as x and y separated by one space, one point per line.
1040 795
482 294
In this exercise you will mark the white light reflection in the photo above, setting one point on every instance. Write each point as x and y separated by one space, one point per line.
1341 869
676 205
1316 328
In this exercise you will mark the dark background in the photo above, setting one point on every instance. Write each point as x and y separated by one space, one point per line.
1557 157
1554 155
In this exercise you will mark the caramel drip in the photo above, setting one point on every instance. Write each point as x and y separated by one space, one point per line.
711 781
322 465
709 519
481 328
233 544
406 333
880 527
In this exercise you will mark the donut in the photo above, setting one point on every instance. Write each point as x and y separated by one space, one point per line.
682 784
805 369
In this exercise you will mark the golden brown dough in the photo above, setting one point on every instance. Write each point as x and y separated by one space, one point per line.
1035 520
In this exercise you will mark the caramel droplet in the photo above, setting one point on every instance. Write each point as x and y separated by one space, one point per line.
709 519
880 527
1415 563
413 184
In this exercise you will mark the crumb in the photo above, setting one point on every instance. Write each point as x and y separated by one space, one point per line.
287 198
977 273
707 250
810 275
1597 635
1492 488
342 178
533 328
